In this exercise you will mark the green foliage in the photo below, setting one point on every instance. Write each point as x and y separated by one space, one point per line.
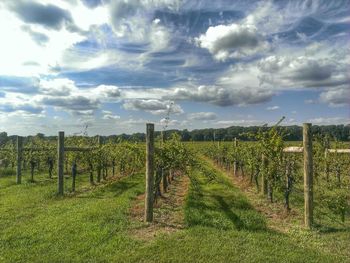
95 226
174 155
283 172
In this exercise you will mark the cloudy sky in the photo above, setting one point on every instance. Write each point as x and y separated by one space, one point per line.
115 64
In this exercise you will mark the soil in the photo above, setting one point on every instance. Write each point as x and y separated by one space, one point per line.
168 211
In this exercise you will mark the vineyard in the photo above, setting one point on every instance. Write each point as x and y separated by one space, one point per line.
80 198
276 171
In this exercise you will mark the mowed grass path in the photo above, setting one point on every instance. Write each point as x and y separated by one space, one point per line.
95 226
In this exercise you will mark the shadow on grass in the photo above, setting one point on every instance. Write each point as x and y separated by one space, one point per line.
216 203
116 188
325 229
224 206
121 186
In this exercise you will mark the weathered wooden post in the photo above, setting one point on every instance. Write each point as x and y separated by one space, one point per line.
326 168
149 172
74 175
99 166
60 162
164 180
163 175
19 159
288 186
308 175
264 161
235 161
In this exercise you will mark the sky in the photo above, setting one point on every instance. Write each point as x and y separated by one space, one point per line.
113 65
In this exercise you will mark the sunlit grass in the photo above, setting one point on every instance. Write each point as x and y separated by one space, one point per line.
93 225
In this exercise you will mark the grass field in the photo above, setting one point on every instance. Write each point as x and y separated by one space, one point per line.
94 225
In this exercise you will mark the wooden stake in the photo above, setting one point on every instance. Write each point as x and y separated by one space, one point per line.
99 165
149 172
60 162
326 169
308 175
263 178
235 161
19 159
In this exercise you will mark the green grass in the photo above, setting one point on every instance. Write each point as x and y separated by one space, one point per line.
94 226
35 225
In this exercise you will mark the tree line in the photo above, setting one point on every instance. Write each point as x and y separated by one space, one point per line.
292 133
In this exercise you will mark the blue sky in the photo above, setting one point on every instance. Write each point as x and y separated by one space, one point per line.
116 64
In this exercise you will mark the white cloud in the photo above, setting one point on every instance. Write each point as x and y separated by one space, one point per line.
272 108
126 35
85 17
302 72
65 87
108 115
336 97
57 87
131 20
63 95
232 41
25 48
108 92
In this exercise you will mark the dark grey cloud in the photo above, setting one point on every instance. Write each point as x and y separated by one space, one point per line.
8 108
92 3
55 68
122 9
147 105
83 113
243 38
197 21
49 16
303 72
313 71
109 92
22 90
19 84
221 96
153 106
39 38
72 103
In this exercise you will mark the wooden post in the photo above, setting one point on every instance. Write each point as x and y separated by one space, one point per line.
164 179
149 172
74 175
326 169
235 161
308 175
263 178
60 162
288 186
19 159
99 166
